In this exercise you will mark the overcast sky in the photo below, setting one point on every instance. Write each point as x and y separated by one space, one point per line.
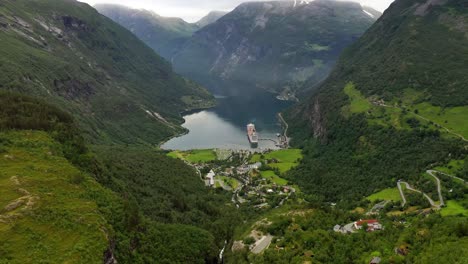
193 10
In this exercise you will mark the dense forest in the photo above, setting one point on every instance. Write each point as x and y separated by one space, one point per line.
81 183
354 144
159 210
308 237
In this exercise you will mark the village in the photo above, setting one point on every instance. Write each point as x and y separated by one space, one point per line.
253 178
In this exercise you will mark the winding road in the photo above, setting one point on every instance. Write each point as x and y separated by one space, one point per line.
451 176
439 187
439 190
433 204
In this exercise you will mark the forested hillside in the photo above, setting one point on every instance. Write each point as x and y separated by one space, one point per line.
63 203
118 89
393 107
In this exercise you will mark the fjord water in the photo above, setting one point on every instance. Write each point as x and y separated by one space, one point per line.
224 126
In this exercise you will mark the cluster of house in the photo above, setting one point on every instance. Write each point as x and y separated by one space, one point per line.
243 169
371 226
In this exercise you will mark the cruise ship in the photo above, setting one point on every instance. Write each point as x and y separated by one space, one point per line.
252 135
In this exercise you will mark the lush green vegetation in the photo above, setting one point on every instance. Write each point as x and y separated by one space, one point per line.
452 118
55 212
229 181
359 104
168 191
390 194
454 167
454 208
48 210
284 155
271 175
305 235
410 51
98 71
282 160
194 156
361 132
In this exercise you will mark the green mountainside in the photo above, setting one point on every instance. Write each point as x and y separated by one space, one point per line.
165 35
393 107
272 45
62 203
70 55
83 102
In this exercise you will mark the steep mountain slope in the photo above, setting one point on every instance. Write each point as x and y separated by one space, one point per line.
53 210
67 53
394 106
272 45
163 34
212 17
49 210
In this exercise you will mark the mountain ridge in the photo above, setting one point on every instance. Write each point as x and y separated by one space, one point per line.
264 37
400 82
163 34
85 63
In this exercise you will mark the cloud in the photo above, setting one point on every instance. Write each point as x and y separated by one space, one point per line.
192 11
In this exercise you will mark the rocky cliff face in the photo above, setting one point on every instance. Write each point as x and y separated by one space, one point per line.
275 46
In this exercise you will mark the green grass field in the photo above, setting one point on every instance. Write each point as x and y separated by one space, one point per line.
55 219
270 175
390 194
452 167
453 118
194 156
287 159
359 104
231 182
453 208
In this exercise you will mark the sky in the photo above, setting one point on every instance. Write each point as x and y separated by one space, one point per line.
193 10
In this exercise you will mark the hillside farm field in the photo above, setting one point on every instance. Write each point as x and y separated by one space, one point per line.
283 160
391 194
194 156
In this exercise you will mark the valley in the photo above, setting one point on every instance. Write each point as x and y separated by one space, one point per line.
124 138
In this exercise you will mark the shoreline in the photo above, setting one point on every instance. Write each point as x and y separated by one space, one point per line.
186 131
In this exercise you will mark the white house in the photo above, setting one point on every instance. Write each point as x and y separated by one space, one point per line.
255 166
210 178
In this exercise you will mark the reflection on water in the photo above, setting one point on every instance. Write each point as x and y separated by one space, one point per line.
225 125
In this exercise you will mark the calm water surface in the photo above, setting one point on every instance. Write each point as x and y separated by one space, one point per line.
225 125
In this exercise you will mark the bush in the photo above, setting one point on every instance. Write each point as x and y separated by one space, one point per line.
249 240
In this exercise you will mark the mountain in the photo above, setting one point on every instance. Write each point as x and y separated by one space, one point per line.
63 202
68 54
163 34
212 17
275 46
393 107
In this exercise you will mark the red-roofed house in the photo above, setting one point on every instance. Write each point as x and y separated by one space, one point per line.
372 225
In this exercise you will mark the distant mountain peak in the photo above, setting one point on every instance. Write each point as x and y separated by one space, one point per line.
283 44
210 18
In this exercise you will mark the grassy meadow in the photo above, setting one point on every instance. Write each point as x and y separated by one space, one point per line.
47 209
